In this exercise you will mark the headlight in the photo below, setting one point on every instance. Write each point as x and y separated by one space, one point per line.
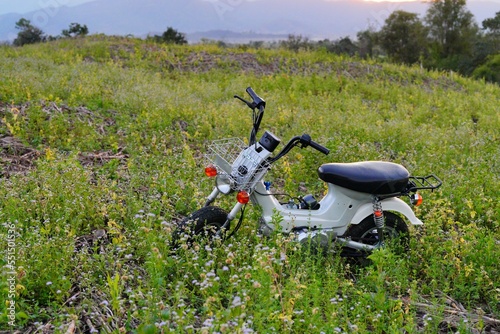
223 183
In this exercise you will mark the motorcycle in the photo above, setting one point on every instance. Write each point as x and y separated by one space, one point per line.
361 210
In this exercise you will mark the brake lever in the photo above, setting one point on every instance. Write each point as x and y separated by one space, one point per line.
251 105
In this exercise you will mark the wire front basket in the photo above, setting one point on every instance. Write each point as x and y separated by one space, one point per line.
233 159
224 151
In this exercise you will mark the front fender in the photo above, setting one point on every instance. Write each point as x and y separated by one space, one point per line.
390 204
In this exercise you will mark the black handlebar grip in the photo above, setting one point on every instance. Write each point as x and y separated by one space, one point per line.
256 98
319 147
306 140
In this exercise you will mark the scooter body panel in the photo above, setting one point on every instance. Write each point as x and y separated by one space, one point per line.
338 209
390 204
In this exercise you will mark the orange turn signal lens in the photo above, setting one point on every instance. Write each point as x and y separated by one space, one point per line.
243 197
211 171
416 199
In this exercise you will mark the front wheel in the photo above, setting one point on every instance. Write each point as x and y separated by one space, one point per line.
205 223
396 234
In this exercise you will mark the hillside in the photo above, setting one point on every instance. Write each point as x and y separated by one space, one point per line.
102 143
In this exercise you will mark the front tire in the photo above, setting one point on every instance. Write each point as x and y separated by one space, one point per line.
204 223
396 234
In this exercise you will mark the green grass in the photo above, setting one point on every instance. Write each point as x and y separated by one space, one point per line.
119 127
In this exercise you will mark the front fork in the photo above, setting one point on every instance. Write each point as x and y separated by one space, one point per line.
213 195
231 215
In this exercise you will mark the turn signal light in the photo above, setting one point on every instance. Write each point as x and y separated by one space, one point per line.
243 197
211 171
416 199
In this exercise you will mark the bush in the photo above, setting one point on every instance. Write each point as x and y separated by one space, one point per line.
490 71
75 29
28 33
171 36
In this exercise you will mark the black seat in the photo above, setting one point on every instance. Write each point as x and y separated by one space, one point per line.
373 177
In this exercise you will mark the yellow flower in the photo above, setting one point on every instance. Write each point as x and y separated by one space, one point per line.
49 154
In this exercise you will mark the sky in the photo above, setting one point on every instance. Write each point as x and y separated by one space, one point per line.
24 6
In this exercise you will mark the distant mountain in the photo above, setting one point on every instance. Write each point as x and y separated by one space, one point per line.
233 36
314 19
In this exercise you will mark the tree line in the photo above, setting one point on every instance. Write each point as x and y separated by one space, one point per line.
447 38
29 34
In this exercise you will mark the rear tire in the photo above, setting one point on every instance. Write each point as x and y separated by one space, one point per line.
396 234
203 223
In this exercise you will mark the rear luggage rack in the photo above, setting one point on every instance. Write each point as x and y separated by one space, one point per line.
429 182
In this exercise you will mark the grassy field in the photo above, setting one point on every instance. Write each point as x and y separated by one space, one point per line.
102 143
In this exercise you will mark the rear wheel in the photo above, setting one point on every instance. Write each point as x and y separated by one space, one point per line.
204 223
396 234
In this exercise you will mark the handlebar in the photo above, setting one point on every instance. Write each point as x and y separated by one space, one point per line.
306 140
259 103
257 100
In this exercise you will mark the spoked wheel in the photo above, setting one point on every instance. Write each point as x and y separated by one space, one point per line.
396 234
204 223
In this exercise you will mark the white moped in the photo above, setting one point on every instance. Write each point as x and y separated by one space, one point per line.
361 210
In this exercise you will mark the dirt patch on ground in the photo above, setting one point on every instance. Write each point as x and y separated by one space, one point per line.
201 62
246 62
18 157
15 157
100 158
